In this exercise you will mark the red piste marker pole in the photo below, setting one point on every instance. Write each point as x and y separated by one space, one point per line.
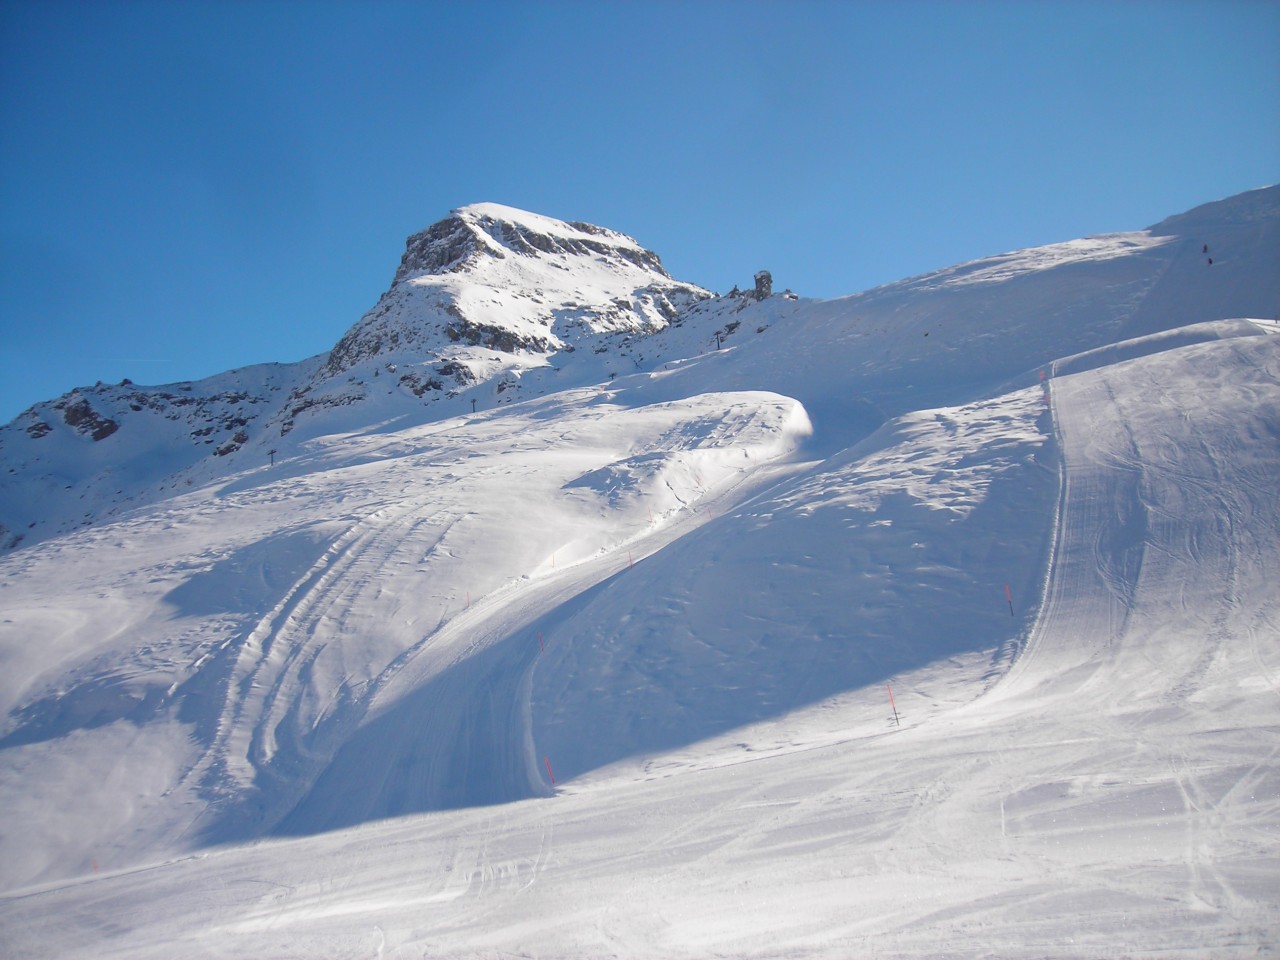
1008 596
896 722
547 761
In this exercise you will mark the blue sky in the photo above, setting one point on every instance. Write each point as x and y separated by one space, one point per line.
190 187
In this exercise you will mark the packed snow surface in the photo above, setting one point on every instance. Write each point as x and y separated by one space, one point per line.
939 620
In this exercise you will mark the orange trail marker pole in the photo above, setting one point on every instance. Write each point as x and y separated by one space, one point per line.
547 761
896 722
1008 596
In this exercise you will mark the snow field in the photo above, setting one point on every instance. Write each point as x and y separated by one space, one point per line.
304 710
853 570
1126 787
308 607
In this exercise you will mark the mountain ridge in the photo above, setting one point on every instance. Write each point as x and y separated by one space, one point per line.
497 305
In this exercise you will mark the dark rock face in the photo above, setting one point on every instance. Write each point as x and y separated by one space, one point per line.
495 338
529 243
444 247
460 372
234 444
420 385
77 413
358 344
455 242
300 401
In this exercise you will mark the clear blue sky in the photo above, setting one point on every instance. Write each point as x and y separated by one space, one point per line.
190 187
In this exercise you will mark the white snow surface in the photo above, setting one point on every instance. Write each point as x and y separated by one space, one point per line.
604 667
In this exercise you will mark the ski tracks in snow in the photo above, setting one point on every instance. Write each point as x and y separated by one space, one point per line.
299 708
269 706
1147 655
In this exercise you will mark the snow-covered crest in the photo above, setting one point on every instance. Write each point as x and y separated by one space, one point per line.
471 233
509 282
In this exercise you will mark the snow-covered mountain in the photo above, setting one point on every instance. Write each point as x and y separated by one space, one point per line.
479 299
552 612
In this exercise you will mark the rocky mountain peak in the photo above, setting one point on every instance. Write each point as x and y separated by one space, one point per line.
484 296
478 232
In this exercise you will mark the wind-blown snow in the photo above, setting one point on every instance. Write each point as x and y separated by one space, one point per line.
315 707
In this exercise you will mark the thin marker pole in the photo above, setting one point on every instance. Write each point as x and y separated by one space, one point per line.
542 647
1008 596
547 761
896 722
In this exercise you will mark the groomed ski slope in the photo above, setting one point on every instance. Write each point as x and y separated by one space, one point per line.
1108 786
315 708
258 632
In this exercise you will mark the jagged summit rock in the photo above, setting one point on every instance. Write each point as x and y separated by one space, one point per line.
471 233
493 280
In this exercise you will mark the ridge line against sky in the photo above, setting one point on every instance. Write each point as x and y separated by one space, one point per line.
188 188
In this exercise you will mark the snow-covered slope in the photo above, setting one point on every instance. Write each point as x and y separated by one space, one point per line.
489 293
480 298
602 669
